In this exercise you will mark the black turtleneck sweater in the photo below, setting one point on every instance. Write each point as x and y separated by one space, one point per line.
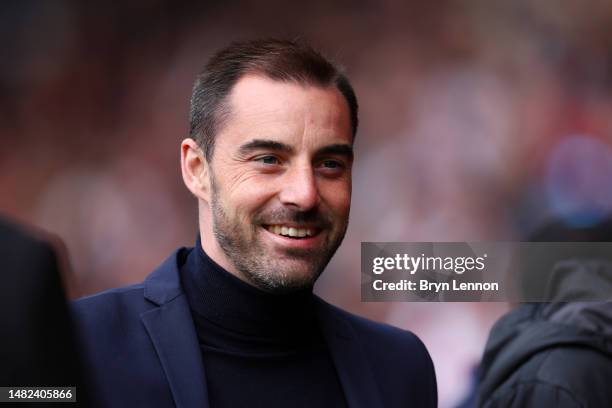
259 349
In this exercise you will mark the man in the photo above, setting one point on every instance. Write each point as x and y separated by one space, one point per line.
233 322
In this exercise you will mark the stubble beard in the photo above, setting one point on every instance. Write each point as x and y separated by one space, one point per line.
253 260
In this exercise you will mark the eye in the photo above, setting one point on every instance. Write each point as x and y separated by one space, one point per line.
331 164
332 168
269 160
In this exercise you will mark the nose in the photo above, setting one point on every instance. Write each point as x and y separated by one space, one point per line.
299 188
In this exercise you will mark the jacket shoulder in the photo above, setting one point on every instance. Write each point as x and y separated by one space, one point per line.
100 317
398 357
580 374
109 301
383 334
117 348
533 394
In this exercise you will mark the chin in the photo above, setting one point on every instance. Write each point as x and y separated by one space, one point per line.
290 280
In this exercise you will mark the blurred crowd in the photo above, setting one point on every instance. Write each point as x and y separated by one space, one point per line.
479 121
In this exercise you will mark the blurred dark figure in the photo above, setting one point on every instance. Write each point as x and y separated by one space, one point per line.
37 345
555 354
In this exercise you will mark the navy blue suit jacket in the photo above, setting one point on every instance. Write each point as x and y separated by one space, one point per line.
141 345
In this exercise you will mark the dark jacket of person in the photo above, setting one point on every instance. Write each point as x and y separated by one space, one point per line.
143 349
555 354
37 344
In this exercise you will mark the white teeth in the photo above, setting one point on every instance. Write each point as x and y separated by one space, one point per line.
291 231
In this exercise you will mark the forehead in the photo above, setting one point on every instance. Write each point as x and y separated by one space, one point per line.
261 107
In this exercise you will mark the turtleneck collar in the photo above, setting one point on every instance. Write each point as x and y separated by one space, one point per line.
234 306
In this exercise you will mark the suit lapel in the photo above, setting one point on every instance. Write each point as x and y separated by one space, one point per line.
171 329
175 341
354 371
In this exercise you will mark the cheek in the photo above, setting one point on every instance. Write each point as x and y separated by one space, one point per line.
248 196
337 198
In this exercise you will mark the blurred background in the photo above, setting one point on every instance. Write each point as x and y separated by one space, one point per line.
479 121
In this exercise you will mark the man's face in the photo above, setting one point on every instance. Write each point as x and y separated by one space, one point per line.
280 176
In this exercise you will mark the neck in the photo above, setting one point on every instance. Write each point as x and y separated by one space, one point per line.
221 297
208 243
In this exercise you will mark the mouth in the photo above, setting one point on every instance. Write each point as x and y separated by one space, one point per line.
293 231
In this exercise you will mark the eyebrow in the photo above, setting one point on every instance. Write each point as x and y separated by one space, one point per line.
264 144
340 149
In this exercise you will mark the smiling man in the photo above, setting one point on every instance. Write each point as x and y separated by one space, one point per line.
233 322
274 188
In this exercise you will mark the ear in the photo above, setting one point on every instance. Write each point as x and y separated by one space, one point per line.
195 169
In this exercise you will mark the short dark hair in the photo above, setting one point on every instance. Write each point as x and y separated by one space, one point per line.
281 60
